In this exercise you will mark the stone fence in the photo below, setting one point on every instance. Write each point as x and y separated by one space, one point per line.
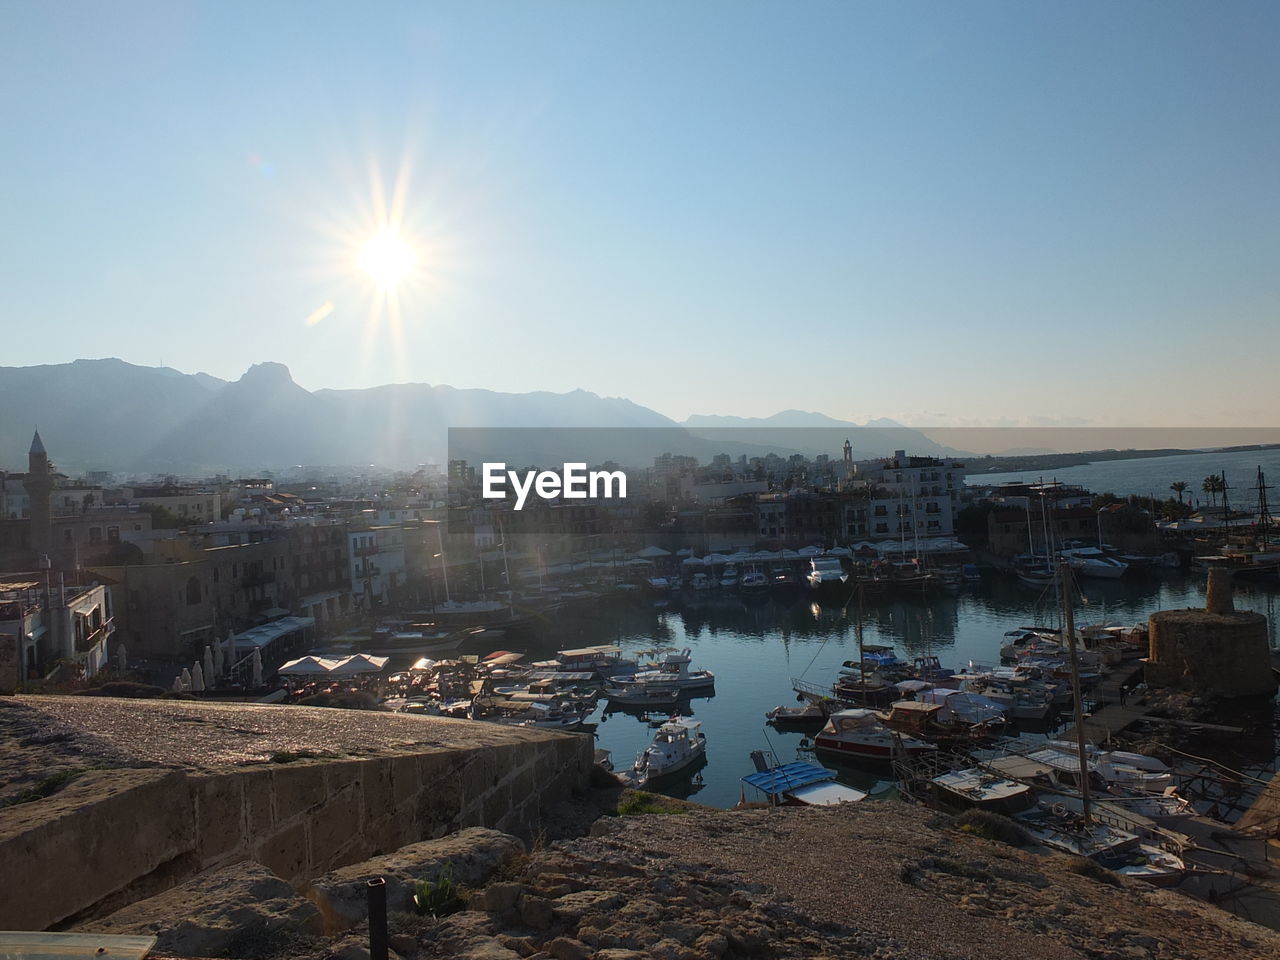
114 836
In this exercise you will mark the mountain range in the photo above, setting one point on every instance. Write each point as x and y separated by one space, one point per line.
112 415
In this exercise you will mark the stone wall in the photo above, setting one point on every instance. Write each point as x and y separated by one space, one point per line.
114 836
1220 654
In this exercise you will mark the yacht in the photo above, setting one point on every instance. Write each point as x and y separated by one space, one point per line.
678 744
1092 562
859 733
826 573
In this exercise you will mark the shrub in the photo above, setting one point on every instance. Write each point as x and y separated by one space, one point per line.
640 804
992 826
1093 870
46 787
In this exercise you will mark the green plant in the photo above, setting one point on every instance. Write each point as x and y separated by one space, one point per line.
438 897
45 787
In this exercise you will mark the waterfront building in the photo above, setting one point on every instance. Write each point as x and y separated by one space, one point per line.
912 496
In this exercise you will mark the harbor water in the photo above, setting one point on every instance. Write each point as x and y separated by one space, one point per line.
755 649
1152 476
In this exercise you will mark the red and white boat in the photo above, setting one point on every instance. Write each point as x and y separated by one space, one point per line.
860 734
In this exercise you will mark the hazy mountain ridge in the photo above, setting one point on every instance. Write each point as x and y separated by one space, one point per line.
113 415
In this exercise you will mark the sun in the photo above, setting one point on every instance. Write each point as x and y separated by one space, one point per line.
387 257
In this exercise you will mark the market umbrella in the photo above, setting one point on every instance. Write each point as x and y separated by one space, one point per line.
177 684
122 658
185 679
197 678
231 650
217 660
257 668
207 672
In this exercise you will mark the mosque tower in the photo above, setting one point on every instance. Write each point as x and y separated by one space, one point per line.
39 484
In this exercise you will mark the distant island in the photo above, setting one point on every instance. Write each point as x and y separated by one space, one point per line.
1057 461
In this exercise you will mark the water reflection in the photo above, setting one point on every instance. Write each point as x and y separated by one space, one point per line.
756 649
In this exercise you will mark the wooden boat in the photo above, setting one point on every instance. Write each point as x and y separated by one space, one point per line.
860 734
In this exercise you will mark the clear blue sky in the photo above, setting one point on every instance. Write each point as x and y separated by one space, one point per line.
942 212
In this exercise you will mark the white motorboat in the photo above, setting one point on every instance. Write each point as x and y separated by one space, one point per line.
672 672
729 577
678 744
1020 700
859 733
1092 562
826 572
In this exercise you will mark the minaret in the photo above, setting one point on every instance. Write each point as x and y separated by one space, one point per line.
39 485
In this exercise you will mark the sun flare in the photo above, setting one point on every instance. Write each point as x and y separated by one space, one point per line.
387 257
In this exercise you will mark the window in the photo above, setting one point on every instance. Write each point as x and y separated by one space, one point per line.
193 591
95 534
113 534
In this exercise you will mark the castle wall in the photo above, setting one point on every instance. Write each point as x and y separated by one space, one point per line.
114 836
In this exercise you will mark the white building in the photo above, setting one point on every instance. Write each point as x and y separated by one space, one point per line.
377 562
912 496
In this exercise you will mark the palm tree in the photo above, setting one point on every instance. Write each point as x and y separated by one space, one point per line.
1213 485
1179 488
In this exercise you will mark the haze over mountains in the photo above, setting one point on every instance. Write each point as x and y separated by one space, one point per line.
112 415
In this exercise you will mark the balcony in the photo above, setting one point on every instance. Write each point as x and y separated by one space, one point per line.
369 551
104 630
255 578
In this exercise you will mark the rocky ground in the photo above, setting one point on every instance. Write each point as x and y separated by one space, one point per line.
679 882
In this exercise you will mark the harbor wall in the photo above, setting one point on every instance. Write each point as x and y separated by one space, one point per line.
112 837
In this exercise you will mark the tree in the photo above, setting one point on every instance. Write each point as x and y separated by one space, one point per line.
1178 487
1213 485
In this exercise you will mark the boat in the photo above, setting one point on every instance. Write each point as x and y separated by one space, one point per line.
978 789
859 733
826 573
729 577
783 582
933 722
798 784
1093 562
699 583
812 716
678 744
754 584
671 672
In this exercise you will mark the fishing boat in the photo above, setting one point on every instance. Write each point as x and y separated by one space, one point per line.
671 672
678 745
798 784
811 716
859 733
933 722
978 789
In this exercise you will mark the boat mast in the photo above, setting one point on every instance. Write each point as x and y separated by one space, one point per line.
1064 573
1264 514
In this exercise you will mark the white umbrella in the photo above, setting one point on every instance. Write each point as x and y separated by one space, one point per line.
306 666
208 668
197 678
359 663
185 679
231 650
217 660
122 658
177 684
257 668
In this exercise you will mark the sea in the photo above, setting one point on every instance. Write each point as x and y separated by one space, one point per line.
1152 476
756 649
